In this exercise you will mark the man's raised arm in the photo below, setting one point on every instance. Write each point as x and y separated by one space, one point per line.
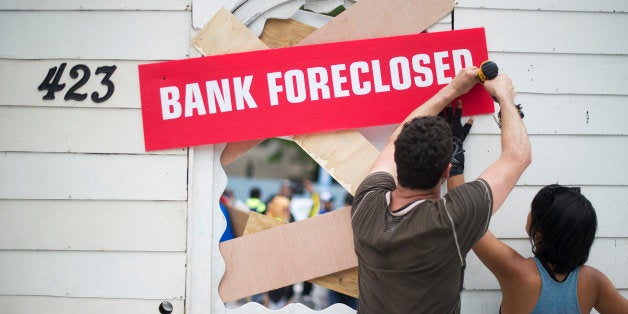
516 154
459 85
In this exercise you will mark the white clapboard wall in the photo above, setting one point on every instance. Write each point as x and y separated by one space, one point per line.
570 65
89 222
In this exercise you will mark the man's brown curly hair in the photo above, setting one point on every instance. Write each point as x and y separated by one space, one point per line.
423 150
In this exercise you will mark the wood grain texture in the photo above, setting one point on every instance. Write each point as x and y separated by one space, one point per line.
284 253
331 150
284 32
346 155
372 18
345 281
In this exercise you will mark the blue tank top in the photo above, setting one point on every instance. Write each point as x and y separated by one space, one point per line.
557 297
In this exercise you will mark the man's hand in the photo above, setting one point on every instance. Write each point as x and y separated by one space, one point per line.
459 134
502 89
464 81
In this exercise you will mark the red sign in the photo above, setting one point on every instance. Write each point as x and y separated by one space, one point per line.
303 89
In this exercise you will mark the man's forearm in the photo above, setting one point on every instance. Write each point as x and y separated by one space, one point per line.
459 85
514 139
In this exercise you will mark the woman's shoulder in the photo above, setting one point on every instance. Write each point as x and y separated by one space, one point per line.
589 279
521 292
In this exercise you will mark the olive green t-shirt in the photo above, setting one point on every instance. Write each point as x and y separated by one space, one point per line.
412 261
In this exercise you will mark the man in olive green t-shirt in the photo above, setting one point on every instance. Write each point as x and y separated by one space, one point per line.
411 243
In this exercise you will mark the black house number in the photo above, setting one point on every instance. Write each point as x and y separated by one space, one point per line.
51 82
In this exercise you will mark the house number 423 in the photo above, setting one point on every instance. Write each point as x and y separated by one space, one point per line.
51 82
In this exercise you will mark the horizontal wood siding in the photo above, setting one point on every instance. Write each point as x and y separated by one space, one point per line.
92 176
134 275
569 65
110 35
73 130
65 305
89 222
93 225
20 79
66 5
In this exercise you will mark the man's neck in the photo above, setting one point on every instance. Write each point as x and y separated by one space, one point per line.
402 196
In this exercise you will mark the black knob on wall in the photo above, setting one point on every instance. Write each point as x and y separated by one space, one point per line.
165 307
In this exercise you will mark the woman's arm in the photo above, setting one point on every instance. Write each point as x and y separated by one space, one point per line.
608 299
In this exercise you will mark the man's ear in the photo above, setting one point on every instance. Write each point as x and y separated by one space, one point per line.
445 173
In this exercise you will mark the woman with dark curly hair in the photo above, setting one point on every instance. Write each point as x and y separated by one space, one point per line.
561 226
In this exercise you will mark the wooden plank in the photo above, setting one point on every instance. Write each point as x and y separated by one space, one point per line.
92 225
73 130
333 150
132 35
253 14
19 80
370 19
92 176
404 23
345 281
615 6
386 18
219 33
225 34
607 255
65 305
239 220
258 222
132 275
572 159
547 32
122 5
323 241
280 33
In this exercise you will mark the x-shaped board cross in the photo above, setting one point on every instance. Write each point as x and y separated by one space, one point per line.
322 245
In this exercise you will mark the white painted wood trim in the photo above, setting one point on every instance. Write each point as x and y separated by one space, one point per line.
200 276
